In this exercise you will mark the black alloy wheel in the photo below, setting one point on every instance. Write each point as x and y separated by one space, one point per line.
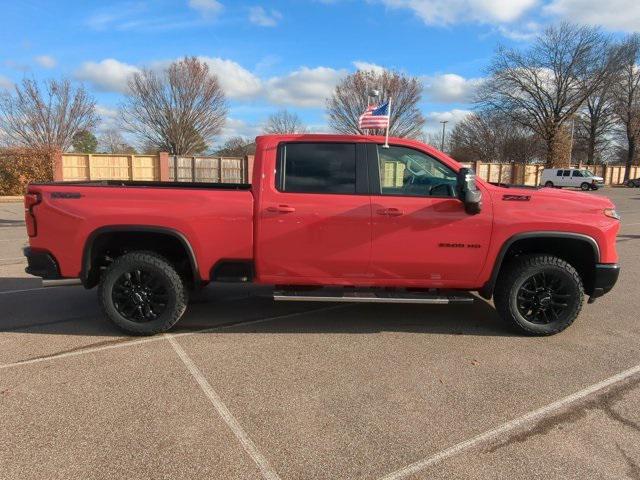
544 297
539 294
140 295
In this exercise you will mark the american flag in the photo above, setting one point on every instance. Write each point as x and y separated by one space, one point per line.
375 116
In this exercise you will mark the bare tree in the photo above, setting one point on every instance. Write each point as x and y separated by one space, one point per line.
595 123
46 116
112 141
544 86
351 98
284 121
490 136
177 109
627 98
237 147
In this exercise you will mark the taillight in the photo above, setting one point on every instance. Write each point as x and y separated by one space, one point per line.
30 201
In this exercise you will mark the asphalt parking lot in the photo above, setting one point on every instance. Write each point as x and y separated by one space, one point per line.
247 388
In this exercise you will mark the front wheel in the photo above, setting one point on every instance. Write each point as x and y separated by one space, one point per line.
539 294
142 294
585 186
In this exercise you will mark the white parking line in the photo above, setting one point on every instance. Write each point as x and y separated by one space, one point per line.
528 418
6 292
265 468
157 338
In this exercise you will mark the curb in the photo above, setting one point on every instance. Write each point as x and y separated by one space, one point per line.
12 199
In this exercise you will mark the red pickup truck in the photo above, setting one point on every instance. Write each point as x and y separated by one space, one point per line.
328 218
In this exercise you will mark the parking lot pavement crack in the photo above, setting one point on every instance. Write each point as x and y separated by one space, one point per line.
602 401
618 417
539 421
633 469
249 446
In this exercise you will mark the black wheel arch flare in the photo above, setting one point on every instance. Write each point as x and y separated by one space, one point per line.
89 280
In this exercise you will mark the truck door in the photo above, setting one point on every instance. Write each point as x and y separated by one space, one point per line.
420 229
315 219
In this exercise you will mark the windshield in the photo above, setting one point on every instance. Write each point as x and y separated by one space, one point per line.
587 173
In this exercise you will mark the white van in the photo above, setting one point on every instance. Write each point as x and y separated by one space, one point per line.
570 177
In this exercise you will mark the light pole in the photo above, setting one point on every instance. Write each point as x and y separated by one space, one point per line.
444 124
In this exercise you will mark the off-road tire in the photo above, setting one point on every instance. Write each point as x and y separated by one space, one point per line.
513 277
177 295
585 187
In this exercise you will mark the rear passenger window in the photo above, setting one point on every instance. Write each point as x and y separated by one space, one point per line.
567 173
317 168
559 174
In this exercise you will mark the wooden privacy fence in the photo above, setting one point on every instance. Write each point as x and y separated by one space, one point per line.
78 166
520 174
162 167
210 169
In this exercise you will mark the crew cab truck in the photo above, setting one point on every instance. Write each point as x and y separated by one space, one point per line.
328 218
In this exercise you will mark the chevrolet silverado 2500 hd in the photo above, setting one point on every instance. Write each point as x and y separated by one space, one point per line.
328 218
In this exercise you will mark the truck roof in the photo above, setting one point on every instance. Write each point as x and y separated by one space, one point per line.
334 137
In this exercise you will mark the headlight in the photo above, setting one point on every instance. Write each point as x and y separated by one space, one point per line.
611 213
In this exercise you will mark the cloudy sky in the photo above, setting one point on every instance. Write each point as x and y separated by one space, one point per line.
283 53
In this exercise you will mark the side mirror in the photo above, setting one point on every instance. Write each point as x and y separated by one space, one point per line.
468 192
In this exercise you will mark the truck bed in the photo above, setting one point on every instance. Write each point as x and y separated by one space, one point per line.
215 219
151 184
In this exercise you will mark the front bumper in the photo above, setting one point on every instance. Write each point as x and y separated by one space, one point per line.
41 264
605 277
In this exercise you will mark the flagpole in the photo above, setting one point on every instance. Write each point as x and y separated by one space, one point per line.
386 138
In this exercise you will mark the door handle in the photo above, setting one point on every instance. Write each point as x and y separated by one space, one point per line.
281 209
391 212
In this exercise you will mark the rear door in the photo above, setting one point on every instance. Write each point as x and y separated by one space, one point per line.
315 222
421 232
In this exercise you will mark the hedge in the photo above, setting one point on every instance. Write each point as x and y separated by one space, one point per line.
19 166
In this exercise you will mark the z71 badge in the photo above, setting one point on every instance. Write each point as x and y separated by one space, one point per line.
516 198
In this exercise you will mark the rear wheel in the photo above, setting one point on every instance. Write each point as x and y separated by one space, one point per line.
539 294
142 294
584 186
548 184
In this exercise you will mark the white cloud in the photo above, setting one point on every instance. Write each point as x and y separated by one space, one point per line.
523 33
108 117
449 87
448 12
368 67
206 8
620 15
259 16
452 116
109 75
5 83
234 127
46 61
237 81
306 87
